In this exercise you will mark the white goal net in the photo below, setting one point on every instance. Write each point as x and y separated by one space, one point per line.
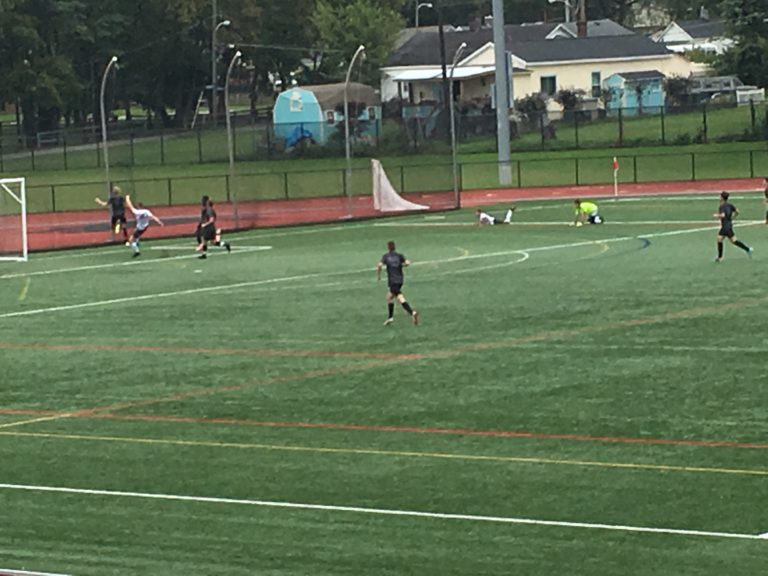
13 219
385 197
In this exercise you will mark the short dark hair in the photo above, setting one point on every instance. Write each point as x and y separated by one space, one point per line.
391 245
204 200
724 195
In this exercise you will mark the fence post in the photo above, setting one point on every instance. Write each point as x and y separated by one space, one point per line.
170 192
32 153
199 146
634 168
576 166
402 179
621 127
53 198
285 184
64 151
2 167
576 127
519 174
226 185
133 153
693 166
753 122
541 130
704 123
344 183
162 146
751 163
98 154
663 128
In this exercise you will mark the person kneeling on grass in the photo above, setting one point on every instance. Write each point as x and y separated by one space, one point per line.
485 219
143 217
586 212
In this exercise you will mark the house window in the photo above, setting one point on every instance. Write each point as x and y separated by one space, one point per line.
549 85
371 113
596 90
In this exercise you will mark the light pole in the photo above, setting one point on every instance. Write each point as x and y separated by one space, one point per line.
213 63
567 5
104 143
358 52
419 6
456 56
230 146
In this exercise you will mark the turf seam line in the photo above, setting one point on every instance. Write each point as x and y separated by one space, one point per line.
383 512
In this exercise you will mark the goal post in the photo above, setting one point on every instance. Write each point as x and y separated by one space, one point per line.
13 220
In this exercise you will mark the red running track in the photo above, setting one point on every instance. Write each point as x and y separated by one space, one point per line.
49 231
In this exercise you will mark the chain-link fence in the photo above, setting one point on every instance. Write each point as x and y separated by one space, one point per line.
259 138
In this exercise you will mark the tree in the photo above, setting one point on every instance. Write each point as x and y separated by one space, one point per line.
747 23
343 26
678 90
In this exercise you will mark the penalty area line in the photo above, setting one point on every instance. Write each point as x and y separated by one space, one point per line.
383 512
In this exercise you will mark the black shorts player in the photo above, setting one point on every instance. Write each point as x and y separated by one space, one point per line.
116 205
726 213
207 230
394 263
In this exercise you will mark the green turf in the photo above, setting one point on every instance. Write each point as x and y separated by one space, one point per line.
603 375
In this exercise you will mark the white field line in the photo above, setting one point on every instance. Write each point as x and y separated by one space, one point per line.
381 511
10 572
132 262
563 224
268 281
190 248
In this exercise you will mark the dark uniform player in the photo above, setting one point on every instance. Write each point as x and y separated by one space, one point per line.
206 229
395 262
116 204
726 214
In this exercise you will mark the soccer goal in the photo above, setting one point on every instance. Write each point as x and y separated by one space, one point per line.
385 197
13 219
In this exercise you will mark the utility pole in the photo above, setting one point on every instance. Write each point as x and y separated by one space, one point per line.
502 94
447 100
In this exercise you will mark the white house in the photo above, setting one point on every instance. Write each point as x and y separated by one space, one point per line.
687 35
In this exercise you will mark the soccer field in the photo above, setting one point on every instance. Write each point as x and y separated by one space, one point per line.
575 401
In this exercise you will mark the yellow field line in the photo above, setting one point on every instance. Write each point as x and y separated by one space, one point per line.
397 454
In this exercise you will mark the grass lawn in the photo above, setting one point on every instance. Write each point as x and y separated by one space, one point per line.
575 401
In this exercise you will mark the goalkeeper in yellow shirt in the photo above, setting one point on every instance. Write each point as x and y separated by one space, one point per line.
586 212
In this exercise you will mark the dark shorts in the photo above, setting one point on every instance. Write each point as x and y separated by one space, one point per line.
138 233
208 233
395 289
118 218
726 232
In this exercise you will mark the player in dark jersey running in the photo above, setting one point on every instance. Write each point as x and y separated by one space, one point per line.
726 214
206 229
116 204
395 262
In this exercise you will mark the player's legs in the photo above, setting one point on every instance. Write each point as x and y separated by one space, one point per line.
134 241
407 307
390 307
736 242
719 248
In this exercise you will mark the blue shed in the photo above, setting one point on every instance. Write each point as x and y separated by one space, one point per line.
315 113
635 92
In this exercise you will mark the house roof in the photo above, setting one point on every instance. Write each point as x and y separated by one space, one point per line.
642 75
702 28
600 48
529 43
329 96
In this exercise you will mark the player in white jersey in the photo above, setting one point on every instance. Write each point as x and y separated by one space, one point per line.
485 219
143 218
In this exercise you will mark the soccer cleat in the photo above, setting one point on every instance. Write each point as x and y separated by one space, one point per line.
228 247
718 259
388 321
202 256
415 318
749 252
136 254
